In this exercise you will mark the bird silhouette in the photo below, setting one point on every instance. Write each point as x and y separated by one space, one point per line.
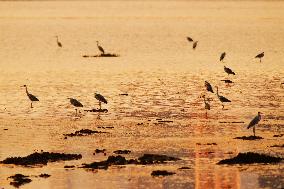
229 71
208 87
194 45
222 98
189 39
260 56
100 48
222 56
206 104
75 103
101 99
254 122
31 96
58 43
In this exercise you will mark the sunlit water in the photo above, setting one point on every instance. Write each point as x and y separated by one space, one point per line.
164 78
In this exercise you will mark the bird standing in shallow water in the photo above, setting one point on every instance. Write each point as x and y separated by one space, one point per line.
206 104
101 99
58 43
254 122
100 48
31 97
208 87
260 56
75 103
222 56
229 71
194 45
222 98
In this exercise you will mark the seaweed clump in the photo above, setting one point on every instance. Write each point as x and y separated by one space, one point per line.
83 132
249 137
101 55
120 160
19 179
122 151
161 173
40 158
249 158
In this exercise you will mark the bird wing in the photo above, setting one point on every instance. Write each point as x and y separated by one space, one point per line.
253 122
101 98
76 102
33 98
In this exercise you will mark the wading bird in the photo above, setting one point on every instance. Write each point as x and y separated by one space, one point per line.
31 97
101 99
222 98
254 122
194 45
206 104
58 43
260 56
208 87
222 56
189 39
229 71
75 103
100 48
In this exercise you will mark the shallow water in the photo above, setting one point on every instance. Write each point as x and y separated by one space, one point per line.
164 78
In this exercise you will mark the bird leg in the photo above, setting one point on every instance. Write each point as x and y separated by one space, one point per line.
253 130
100 104
223 106
260 60
31 105
76 113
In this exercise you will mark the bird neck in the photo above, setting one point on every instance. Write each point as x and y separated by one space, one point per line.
27 90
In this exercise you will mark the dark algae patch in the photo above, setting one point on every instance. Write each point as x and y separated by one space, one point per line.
41 158
249 158
44 175
120 160
249 137
97 110
19 179
161 173
155 158
83 132
101 55
122 152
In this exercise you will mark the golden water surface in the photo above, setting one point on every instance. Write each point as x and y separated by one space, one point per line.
164 79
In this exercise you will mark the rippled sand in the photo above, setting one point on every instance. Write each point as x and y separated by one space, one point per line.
164 79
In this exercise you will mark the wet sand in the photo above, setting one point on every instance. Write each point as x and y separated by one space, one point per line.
164 79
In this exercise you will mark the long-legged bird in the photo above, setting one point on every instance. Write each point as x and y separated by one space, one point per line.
260 56
222 56
101 99
229 71
100 48
31 97
75 103
206 104
208 87
222 98
254 122
58 42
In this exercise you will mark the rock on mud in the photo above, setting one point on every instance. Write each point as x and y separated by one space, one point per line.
41 158
249 158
